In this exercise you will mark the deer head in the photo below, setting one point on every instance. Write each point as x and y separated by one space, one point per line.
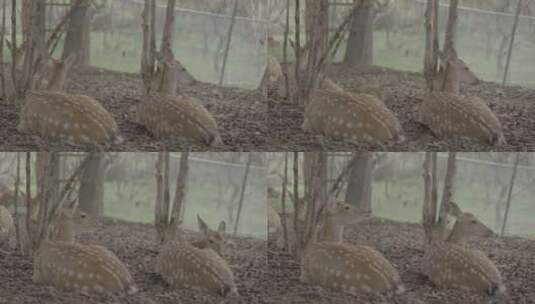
68 222
213 239
336 218
465 225
184 265
450 263
59 72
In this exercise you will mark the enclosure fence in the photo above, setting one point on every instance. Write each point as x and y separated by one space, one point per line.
483 38
199 44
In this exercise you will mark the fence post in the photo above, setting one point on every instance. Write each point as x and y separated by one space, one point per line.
511 42
229 39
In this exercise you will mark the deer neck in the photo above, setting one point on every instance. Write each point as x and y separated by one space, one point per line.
332 231
456 236
168 85
64 230
57 80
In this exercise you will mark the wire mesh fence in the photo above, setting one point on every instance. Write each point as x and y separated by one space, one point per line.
482 37
201 32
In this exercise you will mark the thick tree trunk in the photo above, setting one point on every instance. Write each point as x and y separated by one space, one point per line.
316 193
359 50
317 24
359 185
92 186
78 39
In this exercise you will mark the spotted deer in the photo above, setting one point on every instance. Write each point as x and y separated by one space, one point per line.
6 224
449 262
212 239
69 265
165 114
449 114
353 116
54 114
356 117
330 263
182 265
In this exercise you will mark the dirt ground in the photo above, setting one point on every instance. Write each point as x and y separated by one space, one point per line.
514 107
240 114
135 245
402 245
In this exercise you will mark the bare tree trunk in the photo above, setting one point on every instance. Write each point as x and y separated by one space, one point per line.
297 229
431 44
283 202
77 40
359 50
35 46
317 25
160 212
148 52
430 203
316 194
91 195
447 192
359 185
168 31
242 193
181 181
509 194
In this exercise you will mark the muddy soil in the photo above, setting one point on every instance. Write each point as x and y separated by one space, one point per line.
402 245
514 106
240 114
135 245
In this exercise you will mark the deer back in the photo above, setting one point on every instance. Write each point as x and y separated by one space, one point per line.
182 265
72 266
354 117
449 115
448 262
348 268
178 116
70 117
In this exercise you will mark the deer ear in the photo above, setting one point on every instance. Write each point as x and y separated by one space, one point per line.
222 227
202 225
454 210
69 60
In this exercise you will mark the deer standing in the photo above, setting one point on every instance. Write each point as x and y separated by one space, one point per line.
54 114
332 264
68 265
449 262
165 114
183 265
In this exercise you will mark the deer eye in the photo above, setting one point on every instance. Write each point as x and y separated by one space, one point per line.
347 207
211 241
474 221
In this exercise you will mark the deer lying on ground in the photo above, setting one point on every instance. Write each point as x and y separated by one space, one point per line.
449 262
165 114
68 265
352 116
6 224
182 265
54 114
449 114
212 239
356 117
330 263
